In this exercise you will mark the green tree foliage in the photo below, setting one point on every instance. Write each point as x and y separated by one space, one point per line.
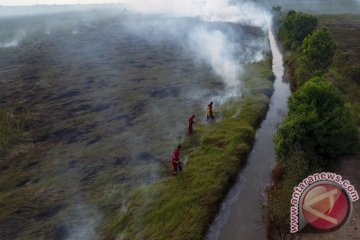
295 27
317 52
318 49
318 123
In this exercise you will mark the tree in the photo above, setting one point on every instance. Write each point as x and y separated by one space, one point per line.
318 123
295 27
318 50
316 55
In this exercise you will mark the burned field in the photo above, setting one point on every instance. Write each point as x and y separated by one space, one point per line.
108 107
345 69
346 30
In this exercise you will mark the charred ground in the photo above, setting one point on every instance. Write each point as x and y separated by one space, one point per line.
98 97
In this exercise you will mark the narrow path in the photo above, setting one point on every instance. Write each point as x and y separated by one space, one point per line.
241 214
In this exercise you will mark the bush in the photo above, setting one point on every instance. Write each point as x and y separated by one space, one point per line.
295 27
318 123
318 50
316 54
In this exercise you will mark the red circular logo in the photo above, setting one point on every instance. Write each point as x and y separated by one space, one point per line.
326 206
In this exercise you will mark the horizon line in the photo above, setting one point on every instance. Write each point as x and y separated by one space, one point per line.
63 4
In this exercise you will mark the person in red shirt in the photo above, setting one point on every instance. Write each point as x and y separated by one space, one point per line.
191 123
209 113
176 160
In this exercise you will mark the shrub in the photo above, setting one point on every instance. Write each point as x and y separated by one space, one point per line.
318 123
295 27
318 50
315 56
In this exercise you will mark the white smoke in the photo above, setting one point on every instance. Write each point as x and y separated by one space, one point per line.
213 47
88 220
11 43
207 45
246 12
14 41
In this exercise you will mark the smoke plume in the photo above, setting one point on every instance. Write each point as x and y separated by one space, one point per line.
218 47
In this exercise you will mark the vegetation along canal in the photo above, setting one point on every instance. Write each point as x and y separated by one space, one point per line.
242 212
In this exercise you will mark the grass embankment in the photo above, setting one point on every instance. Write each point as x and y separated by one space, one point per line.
182 207
321 124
